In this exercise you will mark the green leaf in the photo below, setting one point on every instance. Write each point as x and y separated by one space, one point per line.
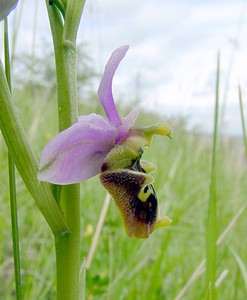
25 160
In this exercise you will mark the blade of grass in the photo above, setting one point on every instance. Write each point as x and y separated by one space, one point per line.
211 230
97 231
231 63
12 183
242 267
221 278
242 119
195 275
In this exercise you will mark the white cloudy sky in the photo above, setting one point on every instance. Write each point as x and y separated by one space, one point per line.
171 63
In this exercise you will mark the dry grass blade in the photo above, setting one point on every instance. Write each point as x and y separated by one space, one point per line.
242 267
242 119
98 231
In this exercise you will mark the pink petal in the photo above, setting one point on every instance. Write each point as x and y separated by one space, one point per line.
77 153
127 124
105 87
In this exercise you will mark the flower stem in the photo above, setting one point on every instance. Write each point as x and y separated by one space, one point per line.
68 245
12 183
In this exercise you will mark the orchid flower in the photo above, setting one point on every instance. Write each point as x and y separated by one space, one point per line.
113 147
6 6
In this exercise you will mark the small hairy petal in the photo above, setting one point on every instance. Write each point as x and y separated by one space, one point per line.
105 87
128 122
77 153
6 6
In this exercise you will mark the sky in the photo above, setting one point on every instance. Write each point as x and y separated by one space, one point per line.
172 60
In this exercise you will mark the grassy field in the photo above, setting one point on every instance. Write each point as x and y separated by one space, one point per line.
168 265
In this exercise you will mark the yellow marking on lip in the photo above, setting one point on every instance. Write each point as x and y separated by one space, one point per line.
143 196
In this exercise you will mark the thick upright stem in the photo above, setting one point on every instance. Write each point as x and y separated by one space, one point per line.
68 248
68 245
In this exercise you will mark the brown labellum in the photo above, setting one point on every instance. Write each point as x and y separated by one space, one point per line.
135 198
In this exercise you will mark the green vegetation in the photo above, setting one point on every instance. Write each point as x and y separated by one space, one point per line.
160 267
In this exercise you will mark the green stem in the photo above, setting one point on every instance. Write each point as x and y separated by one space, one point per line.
65 58
67 246
12 183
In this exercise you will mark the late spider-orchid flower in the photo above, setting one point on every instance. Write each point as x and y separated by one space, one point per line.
6 6
78 152
111 146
